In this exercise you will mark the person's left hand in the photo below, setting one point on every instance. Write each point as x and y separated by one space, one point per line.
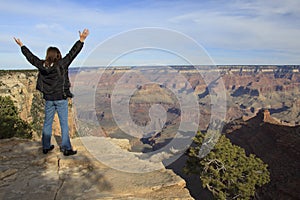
18 41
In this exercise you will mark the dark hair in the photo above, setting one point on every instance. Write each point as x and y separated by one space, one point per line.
52 56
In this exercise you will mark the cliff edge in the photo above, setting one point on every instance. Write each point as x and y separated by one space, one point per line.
26 173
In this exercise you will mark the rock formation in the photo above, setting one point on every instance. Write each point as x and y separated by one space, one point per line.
269 119
20 86
26 173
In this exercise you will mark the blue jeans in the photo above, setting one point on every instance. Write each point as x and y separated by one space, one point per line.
61 106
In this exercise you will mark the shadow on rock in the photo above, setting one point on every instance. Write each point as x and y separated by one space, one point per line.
26 173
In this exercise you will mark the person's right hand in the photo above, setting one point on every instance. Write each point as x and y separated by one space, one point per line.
18 41
84 34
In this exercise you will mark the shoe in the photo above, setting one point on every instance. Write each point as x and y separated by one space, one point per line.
69 152
45 151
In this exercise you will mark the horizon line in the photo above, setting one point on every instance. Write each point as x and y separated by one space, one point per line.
171 65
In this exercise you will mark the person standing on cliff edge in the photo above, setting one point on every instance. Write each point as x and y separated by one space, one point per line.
53 82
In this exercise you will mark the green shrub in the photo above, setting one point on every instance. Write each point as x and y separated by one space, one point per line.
11 125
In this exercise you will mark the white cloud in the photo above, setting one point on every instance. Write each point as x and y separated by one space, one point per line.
245 26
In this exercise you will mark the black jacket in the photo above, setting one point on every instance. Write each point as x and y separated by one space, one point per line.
53 81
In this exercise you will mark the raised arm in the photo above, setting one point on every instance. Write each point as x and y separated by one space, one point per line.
34 60
67 60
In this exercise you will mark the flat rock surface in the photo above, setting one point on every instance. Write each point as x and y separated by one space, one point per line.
26 173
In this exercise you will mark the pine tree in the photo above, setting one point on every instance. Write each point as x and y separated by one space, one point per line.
11 125
226 171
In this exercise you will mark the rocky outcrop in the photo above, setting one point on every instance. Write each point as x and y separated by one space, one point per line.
26 173
269 119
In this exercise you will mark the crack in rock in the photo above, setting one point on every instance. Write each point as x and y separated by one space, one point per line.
60 179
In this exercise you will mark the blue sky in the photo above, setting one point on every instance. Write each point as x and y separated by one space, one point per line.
230 31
